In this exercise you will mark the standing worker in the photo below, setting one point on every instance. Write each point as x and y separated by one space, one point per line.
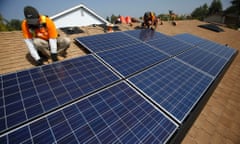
149 19
40 35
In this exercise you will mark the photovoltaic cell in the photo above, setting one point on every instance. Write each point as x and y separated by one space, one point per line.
30 93
146 35
131 59
170 45
174 86
103 42
209 46
217 49
203 60
189 38
114 115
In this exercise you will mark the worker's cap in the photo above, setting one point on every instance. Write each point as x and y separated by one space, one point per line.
31 15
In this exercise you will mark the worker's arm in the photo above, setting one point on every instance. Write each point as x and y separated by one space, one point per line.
32 49
53 45
28 40
53 34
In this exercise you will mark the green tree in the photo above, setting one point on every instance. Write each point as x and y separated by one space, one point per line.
14 24
11 25
234 8
3 26
113 18
200 12
215 7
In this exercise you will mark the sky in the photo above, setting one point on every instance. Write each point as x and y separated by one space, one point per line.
13 9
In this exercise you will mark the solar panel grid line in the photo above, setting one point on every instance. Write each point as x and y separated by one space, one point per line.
109 66
57 138
203 60
41 117
152 101
207 45
197 69
135 33
189 38
46 85
130 60
170 46
104 42
161 92
145 35
217 49
46 115
162 51
108 113
123 102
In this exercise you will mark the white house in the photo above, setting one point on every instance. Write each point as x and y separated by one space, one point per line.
78 16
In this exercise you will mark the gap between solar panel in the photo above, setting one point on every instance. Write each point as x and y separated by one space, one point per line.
109 80
152 102
171 131
130 60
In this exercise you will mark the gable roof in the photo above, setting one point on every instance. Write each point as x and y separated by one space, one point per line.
79 15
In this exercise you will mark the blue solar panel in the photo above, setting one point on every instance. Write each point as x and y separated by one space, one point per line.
174 86
203 60
103 42
170 45
146 34
83 100
30 93
209 46
217 49
115 115
131 59
189 38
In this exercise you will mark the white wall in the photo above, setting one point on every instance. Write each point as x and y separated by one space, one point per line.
79 17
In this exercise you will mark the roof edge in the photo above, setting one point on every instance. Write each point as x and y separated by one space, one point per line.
77 7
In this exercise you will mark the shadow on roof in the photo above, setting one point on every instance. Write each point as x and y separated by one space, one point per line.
71 30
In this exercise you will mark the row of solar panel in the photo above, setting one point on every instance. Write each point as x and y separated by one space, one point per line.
175 84
116 114
27 94
129 58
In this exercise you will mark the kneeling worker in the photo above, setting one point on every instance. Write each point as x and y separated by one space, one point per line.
40 35
149 19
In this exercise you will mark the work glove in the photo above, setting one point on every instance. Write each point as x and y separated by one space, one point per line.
39 62
54 57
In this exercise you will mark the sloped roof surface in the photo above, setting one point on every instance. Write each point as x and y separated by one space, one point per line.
219 120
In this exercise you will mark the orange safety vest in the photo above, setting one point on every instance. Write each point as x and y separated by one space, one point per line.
46 29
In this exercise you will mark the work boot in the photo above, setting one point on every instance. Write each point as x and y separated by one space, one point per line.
39 62
54 57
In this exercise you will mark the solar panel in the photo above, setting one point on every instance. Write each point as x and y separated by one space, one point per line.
131 59
138 86
209 46
212 27
174 86
103 42
170 45
30 93
203 60
146 35
192 39
114 115
217 49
